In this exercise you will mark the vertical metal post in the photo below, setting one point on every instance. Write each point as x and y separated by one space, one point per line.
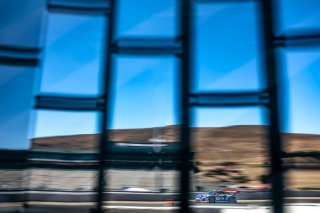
271 73
185 29
104 123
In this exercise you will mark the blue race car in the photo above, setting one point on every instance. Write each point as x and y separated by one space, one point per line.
218 196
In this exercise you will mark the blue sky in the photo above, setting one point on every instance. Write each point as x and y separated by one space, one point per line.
226 59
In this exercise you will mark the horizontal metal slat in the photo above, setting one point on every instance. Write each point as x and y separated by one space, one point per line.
229 99
91 7
81 160
226 1
147 46
70 103
19 56
298 39
302 155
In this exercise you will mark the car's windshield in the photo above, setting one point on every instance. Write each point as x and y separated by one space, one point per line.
211 192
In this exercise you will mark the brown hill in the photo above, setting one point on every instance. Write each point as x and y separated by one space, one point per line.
245 147
236 143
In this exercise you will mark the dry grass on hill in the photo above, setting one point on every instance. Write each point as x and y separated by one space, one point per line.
246 146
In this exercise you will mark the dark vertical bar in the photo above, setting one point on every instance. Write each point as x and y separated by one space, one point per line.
271 73
104 139
185 29
26 187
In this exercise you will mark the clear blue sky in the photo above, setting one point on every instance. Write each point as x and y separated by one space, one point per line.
226 59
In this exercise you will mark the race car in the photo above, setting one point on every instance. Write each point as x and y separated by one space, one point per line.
218 196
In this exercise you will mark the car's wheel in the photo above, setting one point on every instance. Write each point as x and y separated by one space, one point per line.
212 200
232 200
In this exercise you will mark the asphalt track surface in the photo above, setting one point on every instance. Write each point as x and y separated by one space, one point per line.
59 196
54 202
152 207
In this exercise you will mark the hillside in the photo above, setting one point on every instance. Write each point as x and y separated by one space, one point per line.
235 143
246 147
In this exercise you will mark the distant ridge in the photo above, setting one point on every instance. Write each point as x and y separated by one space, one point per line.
237 143
244 148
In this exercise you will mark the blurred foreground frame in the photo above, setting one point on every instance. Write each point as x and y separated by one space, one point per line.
179 156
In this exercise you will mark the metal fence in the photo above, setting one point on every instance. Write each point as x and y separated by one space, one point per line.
181 47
